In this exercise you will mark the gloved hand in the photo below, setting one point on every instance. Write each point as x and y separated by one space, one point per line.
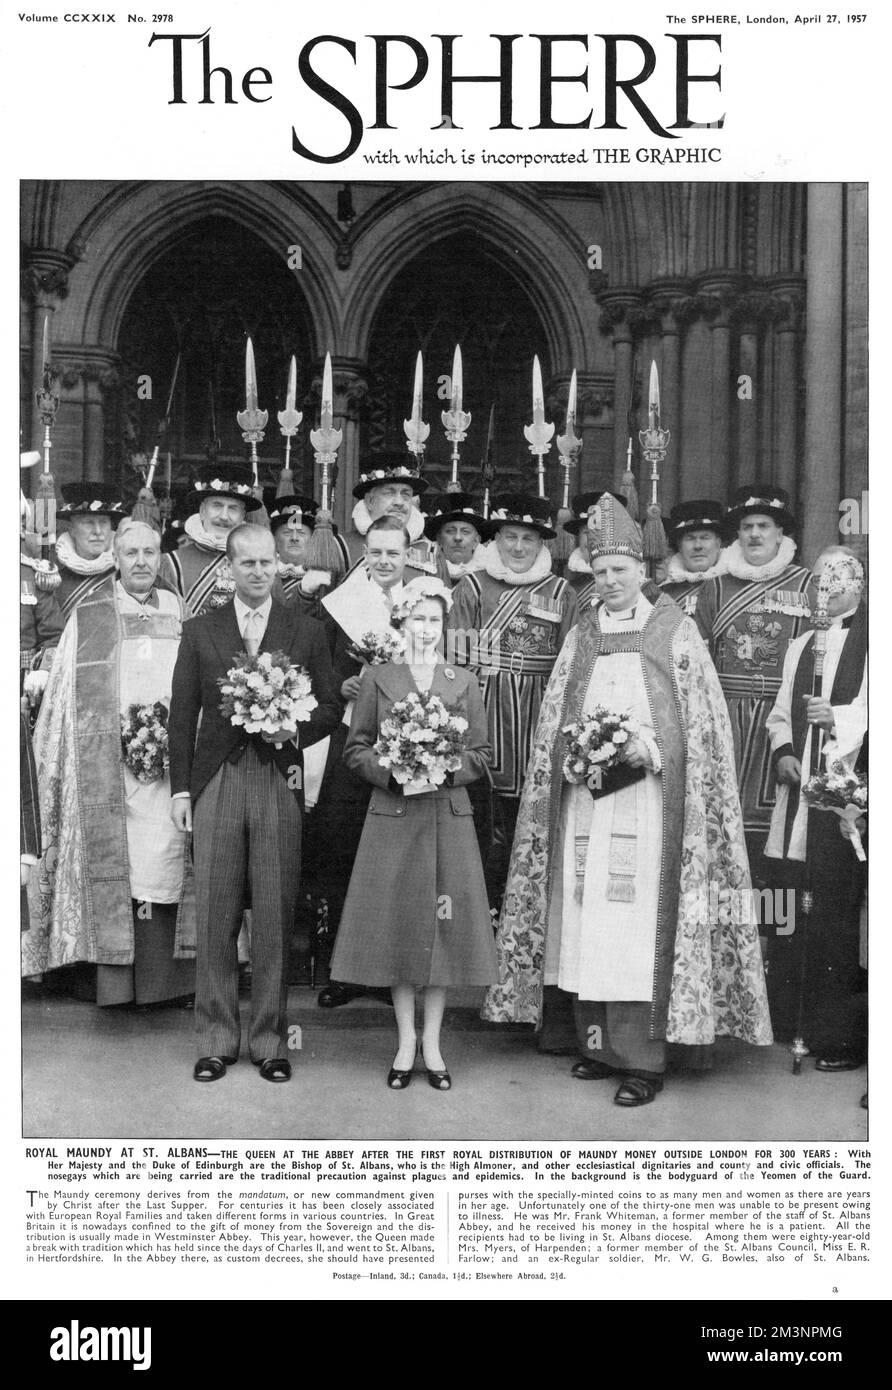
313 580
34 685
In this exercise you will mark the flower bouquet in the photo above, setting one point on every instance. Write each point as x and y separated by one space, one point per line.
594 745
421 740
375 648
144 741
265 693
845 794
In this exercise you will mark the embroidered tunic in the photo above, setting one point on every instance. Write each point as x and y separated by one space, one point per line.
201 577
510 635
748 625
74 588
40 620
685 593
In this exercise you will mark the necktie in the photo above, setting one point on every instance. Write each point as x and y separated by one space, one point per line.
252 632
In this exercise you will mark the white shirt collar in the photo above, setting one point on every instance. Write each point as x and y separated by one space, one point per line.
242 610
394 591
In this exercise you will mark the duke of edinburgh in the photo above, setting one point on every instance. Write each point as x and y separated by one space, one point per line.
749 616
508 623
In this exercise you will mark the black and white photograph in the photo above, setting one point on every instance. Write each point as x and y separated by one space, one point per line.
443 659
443 704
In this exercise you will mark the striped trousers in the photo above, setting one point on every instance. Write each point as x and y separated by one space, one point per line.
246 826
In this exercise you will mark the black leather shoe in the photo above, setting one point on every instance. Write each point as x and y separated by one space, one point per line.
590 1070
212 1068
335 994
440 1080
398 1080
275 1069
637 1090
837 1064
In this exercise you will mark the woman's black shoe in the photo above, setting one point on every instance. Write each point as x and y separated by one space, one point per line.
398 1080
335 994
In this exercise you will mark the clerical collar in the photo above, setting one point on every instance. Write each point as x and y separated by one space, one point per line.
844 620
628 616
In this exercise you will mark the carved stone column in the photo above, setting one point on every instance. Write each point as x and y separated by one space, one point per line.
350 382
823 367
99 379
747 317
719 290
88 385
788 291
616 306
46 281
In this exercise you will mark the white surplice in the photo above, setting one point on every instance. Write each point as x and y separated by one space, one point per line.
148 656
600 949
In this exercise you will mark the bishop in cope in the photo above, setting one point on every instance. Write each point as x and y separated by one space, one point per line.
607 889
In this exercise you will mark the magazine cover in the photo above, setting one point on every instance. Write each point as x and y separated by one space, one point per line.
444 593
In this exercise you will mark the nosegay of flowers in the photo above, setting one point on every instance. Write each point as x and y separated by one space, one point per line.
595 743
844 793
376 648
421 740
265 693
144 741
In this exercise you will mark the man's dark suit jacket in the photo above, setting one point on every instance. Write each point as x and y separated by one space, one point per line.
207 650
